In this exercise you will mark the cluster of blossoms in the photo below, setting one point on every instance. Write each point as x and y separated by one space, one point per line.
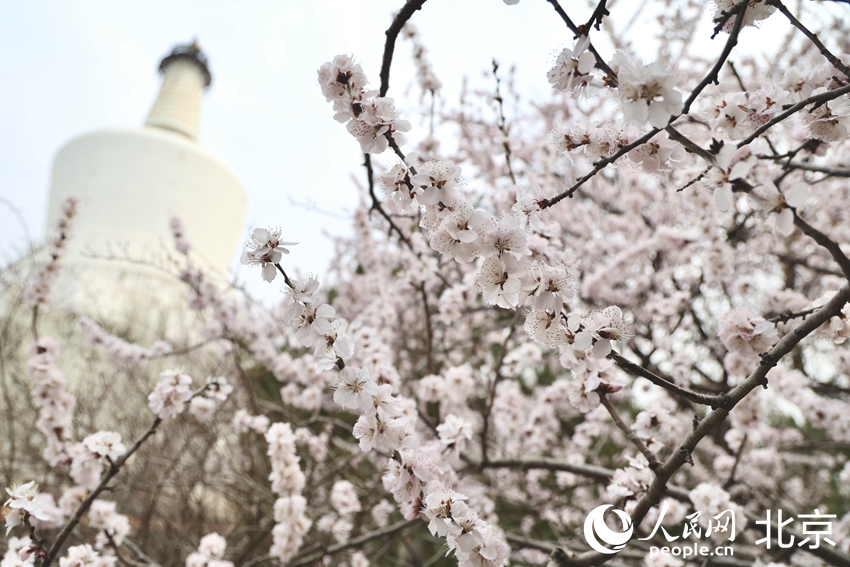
572 67
743 332
779 203
118 350
507 275
203 406
428 81
25 504
55 404
243 422
85 556
291 521
210 553
646 91
42 282
737 114
19 553
473 541
181 243
460 406
89 457
345 503
170 394
828 122
386 423
103 516
265 249
369 118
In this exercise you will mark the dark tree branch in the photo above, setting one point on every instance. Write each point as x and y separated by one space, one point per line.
376 204
826 242
690 145
788 315
597 167
831 171
392 32
596 17
631 435
600 62
731 42
640 371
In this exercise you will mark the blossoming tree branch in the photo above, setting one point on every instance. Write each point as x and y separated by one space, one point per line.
634 294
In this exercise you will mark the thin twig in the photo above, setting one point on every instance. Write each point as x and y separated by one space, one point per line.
597 167
392 32
826 242
506 144
600 62
376 204
285 277
738 454
695 179
429 332
122 558
630 434
713 75
832 171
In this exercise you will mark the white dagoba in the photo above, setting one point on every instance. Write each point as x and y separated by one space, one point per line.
132 181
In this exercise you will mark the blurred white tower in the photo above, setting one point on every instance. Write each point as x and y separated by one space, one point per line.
132 181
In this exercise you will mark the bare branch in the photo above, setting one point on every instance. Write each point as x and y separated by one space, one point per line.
731 42
631 435
376 204
826 242
392 32
639 371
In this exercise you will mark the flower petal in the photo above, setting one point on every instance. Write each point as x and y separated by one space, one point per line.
797 194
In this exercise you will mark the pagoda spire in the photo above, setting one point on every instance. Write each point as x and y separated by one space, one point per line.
185 75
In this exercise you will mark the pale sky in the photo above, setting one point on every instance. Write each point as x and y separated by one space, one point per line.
69 68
